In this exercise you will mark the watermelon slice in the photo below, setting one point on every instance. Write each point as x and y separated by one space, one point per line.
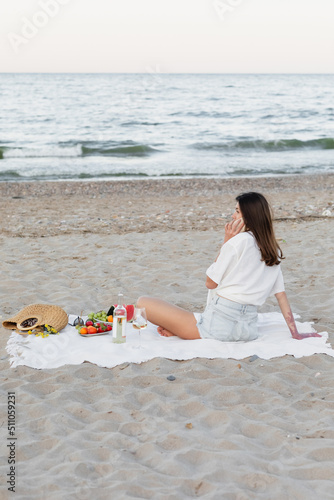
130 310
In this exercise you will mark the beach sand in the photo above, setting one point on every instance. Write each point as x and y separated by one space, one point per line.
250 429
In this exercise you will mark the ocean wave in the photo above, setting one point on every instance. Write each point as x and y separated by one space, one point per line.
52 151
121 150
104 175
204 114
278 145
12 175
77 150
8 175
139 123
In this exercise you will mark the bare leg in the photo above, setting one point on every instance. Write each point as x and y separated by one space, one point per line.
171 319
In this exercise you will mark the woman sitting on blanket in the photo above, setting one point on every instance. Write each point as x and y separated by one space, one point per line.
246 271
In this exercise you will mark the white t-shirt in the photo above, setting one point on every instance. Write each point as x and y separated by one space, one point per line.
241 275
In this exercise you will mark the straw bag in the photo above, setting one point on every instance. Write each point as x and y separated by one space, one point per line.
35 317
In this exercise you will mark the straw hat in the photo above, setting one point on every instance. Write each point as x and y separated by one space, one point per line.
38 314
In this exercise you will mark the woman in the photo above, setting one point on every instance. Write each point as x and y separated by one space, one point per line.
245 273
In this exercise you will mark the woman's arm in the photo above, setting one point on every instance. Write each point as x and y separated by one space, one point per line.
210 284
284 305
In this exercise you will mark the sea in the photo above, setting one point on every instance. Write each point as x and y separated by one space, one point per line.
152 125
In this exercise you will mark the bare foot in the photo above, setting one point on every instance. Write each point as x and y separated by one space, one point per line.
165 333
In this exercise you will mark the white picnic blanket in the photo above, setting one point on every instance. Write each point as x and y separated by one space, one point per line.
70 348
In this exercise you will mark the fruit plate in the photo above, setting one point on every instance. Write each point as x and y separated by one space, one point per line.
93 334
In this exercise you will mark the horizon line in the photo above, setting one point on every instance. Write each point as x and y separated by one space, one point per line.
158 73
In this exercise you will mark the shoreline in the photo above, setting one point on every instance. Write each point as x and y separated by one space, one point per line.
276 182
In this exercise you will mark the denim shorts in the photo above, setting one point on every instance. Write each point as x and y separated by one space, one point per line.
228 321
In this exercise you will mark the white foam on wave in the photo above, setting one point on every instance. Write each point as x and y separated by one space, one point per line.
51 151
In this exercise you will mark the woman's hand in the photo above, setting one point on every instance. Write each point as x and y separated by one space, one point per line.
233 228
301 336
290 321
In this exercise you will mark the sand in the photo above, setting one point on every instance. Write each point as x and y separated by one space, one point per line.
250 429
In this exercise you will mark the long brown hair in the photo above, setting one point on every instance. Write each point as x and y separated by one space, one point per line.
256 213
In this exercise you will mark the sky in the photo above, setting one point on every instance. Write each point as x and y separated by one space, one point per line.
167 36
